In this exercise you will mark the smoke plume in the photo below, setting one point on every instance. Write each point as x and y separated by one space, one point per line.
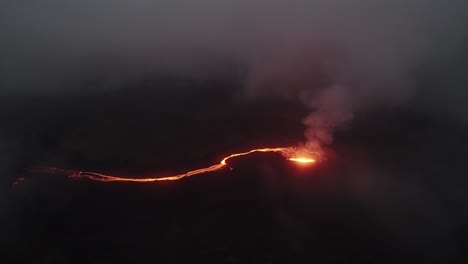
332 109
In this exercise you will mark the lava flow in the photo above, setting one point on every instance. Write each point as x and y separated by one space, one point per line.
292 154
302 160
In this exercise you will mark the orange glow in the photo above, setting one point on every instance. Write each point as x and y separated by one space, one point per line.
289 153
302 160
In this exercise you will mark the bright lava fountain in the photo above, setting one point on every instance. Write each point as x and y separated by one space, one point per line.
300 156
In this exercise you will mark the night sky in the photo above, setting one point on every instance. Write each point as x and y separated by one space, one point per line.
134 88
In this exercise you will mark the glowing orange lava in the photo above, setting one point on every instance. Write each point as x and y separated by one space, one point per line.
290 153
302 160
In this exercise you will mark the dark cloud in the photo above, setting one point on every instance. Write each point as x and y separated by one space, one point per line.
382 38
286 47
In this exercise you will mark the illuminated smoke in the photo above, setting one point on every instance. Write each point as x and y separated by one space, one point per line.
319 75
331 109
